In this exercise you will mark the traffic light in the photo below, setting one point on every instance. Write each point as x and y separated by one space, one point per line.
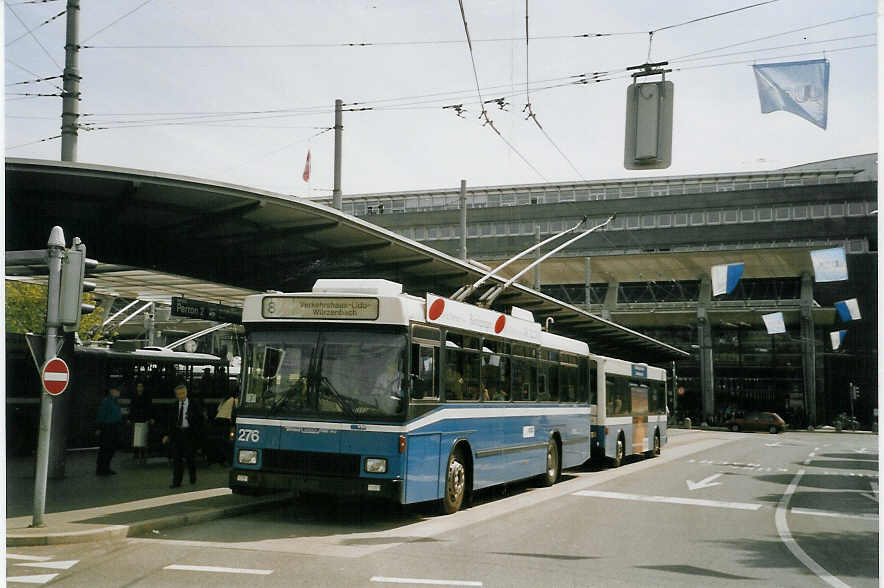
73 270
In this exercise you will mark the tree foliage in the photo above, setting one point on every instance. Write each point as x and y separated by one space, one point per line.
26 310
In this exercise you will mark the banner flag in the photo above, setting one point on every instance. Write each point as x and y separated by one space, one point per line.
306 174
799 87
848 310
837 338
725 277
829 265
774 323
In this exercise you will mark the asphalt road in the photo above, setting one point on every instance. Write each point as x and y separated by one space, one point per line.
716 509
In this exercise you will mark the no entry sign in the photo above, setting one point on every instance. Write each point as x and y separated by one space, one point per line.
55 376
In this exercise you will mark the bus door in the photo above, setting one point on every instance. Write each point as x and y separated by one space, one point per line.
639 393
423 449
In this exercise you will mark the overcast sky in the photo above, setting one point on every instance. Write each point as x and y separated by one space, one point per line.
200 111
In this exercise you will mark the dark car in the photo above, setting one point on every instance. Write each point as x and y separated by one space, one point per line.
756 421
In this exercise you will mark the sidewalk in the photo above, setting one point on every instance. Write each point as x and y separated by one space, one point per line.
84 507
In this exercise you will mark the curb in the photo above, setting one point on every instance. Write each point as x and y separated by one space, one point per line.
121 532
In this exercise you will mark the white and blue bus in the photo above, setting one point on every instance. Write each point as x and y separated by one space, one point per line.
357 388
629 409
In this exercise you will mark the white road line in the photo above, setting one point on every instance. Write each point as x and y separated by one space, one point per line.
218 569
29 557
829 513
53 565
670 500
383 580
42 579
792 545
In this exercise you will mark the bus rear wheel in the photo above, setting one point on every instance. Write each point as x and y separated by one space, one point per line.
619 452
455 484
551 474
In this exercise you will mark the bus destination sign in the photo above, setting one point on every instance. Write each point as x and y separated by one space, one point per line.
314 307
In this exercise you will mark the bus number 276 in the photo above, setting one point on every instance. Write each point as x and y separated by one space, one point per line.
249 435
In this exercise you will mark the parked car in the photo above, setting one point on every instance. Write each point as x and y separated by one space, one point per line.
756 421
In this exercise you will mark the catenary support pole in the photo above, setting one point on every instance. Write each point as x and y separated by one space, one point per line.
55 253
537 267
339 131
70 103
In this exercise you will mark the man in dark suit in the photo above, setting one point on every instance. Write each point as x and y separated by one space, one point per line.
184 433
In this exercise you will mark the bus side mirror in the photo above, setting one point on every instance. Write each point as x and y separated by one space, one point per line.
272 361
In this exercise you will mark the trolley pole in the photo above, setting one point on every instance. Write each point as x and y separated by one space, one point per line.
339 131
55 253
70 105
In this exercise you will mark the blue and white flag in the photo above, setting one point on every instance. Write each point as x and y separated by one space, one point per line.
774 323
725 277
848 310
799 87
829 265
837 338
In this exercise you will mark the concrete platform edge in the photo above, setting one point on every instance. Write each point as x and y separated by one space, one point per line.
46 536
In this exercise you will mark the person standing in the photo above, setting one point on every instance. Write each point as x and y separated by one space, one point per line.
225 418
184 432
110 422
140 412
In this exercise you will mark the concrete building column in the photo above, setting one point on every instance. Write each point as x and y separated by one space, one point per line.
808 347
704 339
587 284
610 299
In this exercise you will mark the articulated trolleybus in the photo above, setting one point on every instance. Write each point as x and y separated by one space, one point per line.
357 388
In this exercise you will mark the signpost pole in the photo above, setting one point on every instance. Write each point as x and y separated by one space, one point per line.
55 253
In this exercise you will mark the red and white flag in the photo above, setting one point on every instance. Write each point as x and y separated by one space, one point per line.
306 174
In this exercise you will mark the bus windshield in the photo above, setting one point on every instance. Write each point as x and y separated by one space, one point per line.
334 373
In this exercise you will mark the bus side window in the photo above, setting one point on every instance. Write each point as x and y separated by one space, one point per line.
524 378
555 381
423 380
610 392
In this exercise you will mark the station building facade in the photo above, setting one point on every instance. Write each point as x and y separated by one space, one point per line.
649 269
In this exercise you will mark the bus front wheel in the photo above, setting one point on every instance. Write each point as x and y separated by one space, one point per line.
551 474
455 484
619 453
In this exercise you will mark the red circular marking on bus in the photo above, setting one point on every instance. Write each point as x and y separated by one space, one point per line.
500 323
436 309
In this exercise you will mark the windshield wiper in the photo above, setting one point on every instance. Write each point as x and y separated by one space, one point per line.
323 380
311 386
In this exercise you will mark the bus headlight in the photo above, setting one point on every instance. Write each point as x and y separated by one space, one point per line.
376 465
248 456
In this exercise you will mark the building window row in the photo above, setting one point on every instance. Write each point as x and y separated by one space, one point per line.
662 220
367 206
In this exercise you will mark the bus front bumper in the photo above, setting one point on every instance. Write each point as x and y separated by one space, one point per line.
258 481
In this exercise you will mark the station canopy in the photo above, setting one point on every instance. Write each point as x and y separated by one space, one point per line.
158 235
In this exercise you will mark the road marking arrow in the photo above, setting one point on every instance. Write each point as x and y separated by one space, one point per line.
29 557
32 579
704 483
54 565
874 494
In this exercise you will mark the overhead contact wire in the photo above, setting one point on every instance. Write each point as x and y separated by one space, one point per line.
484 114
